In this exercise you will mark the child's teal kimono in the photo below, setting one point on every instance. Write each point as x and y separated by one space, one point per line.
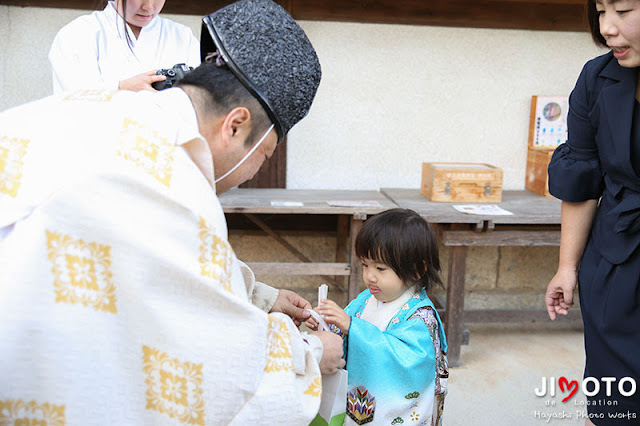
396 376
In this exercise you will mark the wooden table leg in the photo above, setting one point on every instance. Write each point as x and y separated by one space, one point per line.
455 303
356 267
342 241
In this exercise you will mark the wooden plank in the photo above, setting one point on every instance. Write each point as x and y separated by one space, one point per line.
314 268
355 263
290 247
180 7
277 237
517 315
342 239
301 201
432 212
501 238
555 15
535 15
455 303
527 207
343 245
289 222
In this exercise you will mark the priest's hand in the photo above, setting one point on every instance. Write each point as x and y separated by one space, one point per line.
332 352
292 304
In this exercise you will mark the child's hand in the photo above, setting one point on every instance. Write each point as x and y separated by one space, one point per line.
311 323
315 321
334 314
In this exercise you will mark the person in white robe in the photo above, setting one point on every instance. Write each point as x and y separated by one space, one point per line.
121 300
102 50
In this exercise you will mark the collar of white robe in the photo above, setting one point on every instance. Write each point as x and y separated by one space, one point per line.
246 156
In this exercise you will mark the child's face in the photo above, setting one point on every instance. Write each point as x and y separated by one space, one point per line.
383 283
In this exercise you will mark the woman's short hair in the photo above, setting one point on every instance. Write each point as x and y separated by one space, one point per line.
405 242
594 23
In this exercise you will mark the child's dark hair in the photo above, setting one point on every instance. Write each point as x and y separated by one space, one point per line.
404 241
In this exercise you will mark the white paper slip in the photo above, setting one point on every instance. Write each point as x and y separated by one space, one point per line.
323 292
322 325
482 209
287 204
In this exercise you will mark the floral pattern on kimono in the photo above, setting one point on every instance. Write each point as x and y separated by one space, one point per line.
399 375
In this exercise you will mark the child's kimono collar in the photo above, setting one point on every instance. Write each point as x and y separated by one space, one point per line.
380 314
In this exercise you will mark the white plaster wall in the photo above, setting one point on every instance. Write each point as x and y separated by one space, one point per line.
392 96
26 34
395 96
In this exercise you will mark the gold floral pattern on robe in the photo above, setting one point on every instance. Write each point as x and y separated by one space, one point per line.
278 347
315 389
12 152
174 388
91 95
19 412
216 255
147 150
82 272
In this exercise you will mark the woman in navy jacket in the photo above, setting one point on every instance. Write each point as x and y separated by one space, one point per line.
596 174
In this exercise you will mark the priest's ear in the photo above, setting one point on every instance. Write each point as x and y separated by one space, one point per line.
236 126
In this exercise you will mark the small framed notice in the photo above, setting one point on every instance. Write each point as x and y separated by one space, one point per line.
548 124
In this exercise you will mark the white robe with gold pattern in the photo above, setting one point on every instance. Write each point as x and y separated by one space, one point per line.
121 300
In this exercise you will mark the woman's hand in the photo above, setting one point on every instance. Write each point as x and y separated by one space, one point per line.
141 82
559 295
574 230
334 314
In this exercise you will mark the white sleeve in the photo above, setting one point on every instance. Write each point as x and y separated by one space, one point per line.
315 345
261 295
277 384
74 59
194 52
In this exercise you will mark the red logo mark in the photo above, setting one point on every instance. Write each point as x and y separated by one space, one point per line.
570 385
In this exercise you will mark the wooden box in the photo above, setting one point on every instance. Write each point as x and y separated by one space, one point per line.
461 182
536 177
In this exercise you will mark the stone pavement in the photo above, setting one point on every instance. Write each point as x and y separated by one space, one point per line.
501 369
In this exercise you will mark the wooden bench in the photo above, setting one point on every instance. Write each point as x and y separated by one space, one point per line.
351 207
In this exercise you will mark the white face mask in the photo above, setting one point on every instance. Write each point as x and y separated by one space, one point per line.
246 156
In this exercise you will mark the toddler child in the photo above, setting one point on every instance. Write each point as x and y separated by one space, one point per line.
394 340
